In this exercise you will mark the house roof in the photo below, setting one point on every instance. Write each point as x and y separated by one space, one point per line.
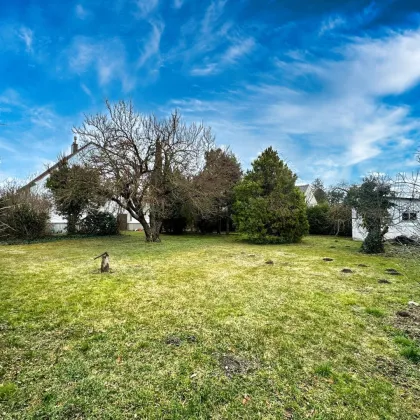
51 168
407 189
303 188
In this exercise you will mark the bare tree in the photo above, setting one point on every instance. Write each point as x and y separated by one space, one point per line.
141 158
24 214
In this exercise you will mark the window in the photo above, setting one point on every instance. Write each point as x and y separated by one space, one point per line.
409 216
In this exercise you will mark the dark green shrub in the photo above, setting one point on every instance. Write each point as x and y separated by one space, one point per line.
100 223
174 225
319 219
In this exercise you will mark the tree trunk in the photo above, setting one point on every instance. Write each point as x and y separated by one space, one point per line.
154 228
71 224
227 221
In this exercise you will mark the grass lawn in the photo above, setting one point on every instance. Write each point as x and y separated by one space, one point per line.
203 328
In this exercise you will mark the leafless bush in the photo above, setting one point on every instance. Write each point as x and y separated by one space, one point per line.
24 214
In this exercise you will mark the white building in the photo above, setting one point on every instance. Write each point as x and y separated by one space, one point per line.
308 191
58 224
404 215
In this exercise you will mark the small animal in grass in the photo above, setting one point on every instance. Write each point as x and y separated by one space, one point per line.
104 262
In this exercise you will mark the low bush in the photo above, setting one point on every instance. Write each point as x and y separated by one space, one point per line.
319 220
100 223
23 214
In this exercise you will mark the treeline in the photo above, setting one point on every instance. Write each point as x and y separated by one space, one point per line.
170 176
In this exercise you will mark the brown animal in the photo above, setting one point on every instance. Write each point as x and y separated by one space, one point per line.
104 262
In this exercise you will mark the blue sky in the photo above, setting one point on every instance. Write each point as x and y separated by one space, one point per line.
334 86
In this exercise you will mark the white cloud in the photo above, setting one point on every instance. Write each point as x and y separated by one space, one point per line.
331 23
152 44
205 70
236 51
209 45
26 35
232 54
86 90
4 145
108 58
10 97
348 117
212 15
178 4
146 7
81 12
368 13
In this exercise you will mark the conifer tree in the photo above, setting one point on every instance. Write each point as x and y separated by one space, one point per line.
269 208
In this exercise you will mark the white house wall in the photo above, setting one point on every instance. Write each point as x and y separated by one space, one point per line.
58 224
310 198
398 226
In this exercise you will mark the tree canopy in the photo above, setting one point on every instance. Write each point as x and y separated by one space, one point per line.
268 207
145 162
75 189
371 200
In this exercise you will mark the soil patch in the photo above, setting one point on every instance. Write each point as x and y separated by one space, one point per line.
233 365
393 272
269 262
410 324
328 259
384 281
346 270
362 265
173 340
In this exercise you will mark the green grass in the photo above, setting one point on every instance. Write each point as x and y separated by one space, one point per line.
202 328
379 313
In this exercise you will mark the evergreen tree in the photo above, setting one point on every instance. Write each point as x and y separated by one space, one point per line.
319 191
268 207
75 189
222 171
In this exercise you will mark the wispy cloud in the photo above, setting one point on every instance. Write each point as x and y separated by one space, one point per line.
151 45
81 12
331 23
213 13
108 58
336 21
370 12
346 118
212 44
32 134
236 51
229 57
145 7
26 35
86 90
178 4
